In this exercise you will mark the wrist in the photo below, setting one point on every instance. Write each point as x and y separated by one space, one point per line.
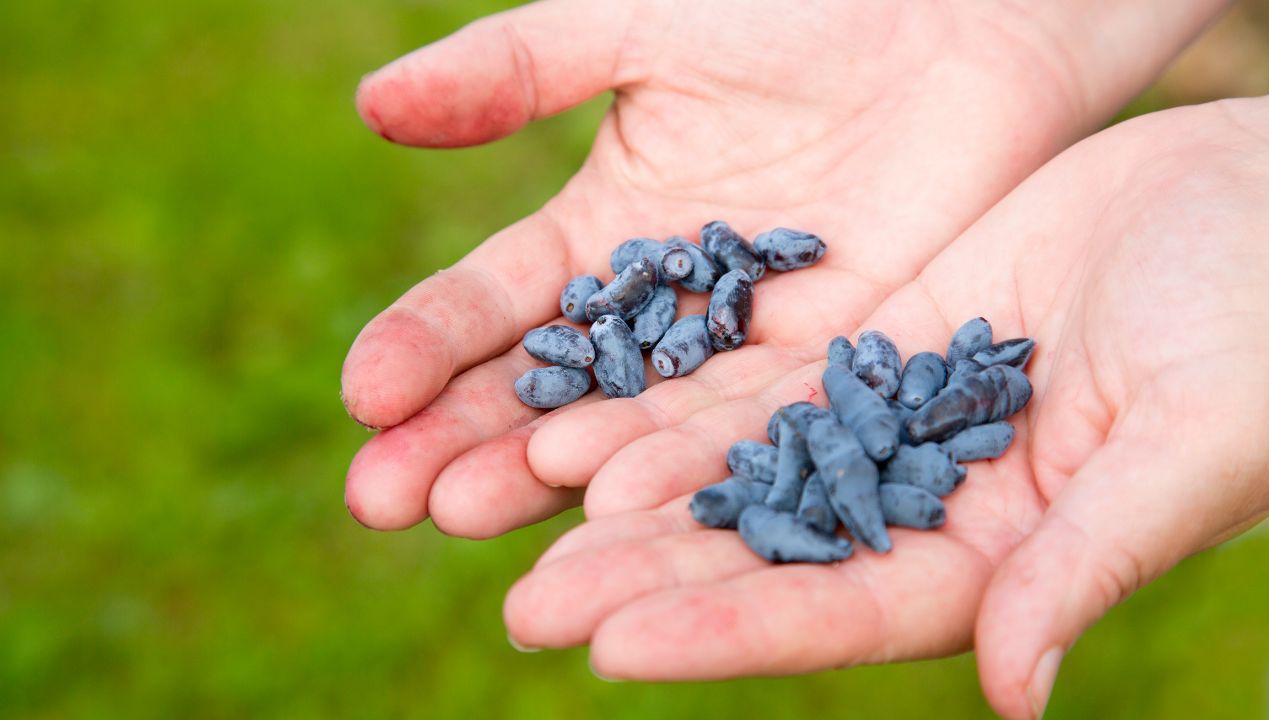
1105 52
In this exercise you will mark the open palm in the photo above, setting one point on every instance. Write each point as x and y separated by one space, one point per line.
886 128
1137 261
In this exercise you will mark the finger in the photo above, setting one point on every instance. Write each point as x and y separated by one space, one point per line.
1135 508
572 447
391 476
490 490
561 603
455 319
490 78
918 601
669 519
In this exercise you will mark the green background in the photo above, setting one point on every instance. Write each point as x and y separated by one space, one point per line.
193 227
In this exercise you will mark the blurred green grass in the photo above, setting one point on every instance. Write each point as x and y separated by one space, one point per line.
194 225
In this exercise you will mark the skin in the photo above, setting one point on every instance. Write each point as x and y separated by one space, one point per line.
694 136
1150 234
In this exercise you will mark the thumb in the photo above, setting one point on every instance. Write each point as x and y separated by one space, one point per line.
490 78
1142 503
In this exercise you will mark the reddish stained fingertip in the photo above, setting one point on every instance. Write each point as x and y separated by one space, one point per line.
427 105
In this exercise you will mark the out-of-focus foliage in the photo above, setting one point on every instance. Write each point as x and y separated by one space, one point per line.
193 227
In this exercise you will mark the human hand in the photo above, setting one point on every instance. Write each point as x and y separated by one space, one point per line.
885 127
1138 261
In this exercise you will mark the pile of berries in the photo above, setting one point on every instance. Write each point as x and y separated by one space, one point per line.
884 451
635 312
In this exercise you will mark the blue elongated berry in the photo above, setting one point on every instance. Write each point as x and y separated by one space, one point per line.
618 363
782 537
877 362
731 251
655 317
841 352
719 505
683 348
851 480
975 399
773 425
815 508
730 309
576 293
704 270
793 465
926 466
551 387
911 506
982 442
784 249
923 377
754 460
862 410
560 345
969 339
1015 352
626 295
632 251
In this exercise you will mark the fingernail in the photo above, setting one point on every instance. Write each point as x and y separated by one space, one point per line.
600 675
1042 679
521 648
